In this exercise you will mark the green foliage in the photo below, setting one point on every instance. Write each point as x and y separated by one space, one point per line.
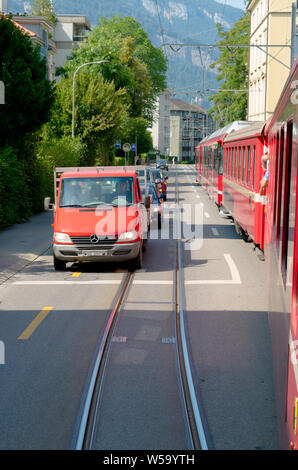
59 152
134 64
44 8
28 94
28 97
232 67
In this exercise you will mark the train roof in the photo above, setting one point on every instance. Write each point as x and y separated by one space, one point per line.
233 126
255 129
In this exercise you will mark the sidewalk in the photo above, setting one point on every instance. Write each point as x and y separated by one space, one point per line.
22 243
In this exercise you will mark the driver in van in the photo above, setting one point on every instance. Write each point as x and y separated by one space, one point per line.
124 191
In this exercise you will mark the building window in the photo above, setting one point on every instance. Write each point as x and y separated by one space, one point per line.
78 32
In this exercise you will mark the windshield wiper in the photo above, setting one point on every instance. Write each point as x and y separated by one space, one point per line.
72 205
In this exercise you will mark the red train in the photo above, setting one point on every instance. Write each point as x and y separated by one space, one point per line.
228 165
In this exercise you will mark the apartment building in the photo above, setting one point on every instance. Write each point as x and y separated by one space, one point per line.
271 24
70 31
55 41
41 32
189 124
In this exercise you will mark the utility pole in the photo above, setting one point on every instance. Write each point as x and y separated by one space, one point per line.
73 91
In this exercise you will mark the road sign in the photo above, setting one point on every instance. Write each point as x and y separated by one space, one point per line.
126 147
118 144
133 147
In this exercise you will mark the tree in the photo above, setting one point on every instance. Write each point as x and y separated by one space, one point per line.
28 94
232 67
100 113
133 64
44 8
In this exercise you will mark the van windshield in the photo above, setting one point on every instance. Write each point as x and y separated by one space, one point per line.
93 192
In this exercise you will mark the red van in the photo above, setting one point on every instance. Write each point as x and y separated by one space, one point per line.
100 215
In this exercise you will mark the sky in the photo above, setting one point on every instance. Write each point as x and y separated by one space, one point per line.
233 3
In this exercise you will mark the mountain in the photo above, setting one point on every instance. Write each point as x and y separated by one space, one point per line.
169 21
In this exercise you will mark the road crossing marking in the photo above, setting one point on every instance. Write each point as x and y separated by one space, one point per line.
35 323
234 272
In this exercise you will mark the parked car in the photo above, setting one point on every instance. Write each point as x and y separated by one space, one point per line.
100 215
160 180
156 202
162 165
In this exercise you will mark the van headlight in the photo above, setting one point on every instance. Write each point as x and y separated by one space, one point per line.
62 238
128 236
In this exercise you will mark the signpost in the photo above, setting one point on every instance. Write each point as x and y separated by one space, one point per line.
118 144
126 148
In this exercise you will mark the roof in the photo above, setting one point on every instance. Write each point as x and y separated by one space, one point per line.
87 174
180 105
25 30
256 129
233 126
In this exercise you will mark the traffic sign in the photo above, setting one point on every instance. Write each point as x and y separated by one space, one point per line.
133 147
126 147
118 144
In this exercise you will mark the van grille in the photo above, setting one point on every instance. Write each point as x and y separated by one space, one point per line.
85 242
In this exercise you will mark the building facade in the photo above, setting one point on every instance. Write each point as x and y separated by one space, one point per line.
271 24
70 31
189 125
41 32
55 41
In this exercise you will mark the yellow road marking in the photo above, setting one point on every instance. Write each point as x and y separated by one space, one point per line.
35 323
76 274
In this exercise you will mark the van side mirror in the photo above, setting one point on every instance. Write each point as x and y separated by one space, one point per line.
48 205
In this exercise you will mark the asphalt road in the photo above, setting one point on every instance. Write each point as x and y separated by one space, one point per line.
50 324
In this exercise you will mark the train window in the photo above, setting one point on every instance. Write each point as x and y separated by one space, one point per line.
235 164
220 159
215 159
278 193
286 202
239 164
254 168
232 159
209 158
248 166
243 165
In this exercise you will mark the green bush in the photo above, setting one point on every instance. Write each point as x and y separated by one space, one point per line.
64 152
13 191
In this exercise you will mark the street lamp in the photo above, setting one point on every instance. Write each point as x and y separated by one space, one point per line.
73 89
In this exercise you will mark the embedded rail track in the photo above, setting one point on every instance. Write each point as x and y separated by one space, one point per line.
85 427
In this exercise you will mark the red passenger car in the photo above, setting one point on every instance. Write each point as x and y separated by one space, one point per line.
281 252
242 173
209 160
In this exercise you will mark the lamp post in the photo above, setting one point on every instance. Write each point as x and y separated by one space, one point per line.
73 89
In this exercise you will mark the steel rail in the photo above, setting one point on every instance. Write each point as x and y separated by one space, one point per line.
87 419
195 422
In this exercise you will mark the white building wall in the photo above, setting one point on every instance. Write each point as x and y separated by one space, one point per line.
3 6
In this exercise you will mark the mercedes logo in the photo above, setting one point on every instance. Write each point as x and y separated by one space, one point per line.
94 238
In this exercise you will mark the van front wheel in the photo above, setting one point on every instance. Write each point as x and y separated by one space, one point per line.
59 265
137 262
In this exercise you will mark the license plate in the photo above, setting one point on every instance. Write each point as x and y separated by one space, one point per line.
95 253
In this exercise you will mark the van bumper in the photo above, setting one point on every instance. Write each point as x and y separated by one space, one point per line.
117 252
